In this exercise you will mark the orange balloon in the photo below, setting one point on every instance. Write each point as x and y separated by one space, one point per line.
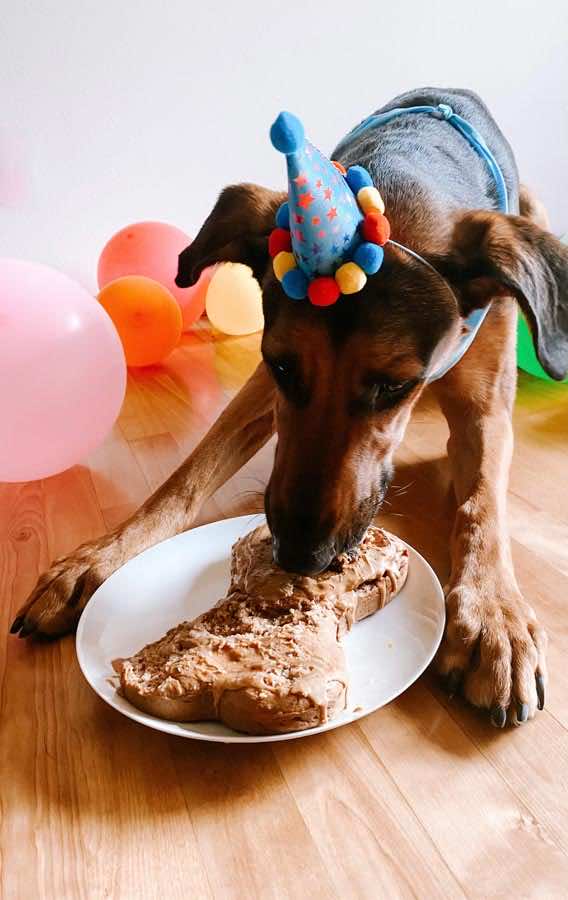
146 316
151 249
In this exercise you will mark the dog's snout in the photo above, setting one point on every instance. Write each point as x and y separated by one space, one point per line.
299 542
302 560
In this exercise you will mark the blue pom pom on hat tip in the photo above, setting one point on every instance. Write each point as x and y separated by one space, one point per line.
287 133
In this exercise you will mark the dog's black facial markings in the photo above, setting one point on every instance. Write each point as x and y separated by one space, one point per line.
342 374
387 475
404 301
382 393
366 511
288 376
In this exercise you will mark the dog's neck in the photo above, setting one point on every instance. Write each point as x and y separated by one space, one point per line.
445 113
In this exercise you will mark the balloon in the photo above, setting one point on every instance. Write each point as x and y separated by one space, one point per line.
151 249
234 300
526 356
62 371
146 316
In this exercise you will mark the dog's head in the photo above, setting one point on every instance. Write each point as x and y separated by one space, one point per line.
347 376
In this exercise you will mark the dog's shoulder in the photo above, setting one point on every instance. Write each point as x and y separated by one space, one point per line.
424 150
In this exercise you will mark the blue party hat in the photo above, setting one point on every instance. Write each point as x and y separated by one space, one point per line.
330 233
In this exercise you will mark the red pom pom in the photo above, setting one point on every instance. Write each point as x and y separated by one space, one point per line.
376 228
279 240
339 167
323 291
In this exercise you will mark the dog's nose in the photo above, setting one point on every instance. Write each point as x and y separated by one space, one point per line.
301 560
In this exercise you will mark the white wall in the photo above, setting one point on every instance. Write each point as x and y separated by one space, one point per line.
116 110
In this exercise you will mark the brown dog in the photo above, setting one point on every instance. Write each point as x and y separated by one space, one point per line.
339 385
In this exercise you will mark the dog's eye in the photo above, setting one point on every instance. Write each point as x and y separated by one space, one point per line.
383 393
287 375
387 388
282 369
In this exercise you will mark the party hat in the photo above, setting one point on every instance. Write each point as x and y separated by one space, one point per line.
331 231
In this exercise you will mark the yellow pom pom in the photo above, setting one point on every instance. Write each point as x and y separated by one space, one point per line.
370 200
350 278
282 263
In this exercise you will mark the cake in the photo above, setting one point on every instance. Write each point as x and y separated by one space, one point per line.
268 658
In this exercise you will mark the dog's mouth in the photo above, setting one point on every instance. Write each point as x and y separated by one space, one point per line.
302 545
301 560
292 552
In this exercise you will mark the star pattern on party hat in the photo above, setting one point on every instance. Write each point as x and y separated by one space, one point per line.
331 231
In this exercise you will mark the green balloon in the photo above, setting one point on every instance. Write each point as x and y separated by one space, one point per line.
526 356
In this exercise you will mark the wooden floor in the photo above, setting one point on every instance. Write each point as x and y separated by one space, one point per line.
421 799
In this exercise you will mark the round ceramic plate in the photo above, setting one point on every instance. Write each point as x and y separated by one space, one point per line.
186 575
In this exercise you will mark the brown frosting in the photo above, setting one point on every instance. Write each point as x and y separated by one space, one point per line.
267 658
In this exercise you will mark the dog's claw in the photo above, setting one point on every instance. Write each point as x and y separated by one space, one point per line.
26 630
498 716
540 690
453 682
522 712
16 624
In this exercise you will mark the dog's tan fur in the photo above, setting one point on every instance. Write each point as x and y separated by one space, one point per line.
492 634
492 639
243 428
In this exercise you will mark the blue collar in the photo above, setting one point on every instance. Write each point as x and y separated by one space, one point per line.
475 319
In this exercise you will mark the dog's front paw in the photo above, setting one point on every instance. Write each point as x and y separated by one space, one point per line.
494 652
58 599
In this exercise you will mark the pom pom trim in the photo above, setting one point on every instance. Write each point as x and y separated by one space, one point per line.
375 229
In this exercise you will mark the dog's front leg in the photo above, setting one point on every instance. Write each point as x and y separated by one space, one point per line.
494 648
245 425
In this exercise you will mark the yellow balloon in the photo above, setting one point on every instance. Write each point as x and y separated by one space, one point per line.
234 300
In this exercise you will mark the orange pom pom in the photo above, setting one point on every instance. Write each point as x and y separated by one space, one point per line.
278 241
339 167
323 291
376 228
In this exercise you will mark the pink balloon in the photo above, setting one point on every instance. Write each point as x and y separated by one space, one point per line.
151 249
62 371
197 297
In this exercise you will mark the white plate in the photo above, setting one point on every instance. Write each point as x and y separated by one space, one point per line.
185 575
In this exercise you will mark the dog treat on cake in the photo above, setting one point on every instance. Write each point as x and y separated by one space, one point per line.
267 659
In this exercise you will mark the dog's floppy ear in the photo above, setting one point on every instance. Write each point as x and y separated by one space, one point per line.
493 254
236 230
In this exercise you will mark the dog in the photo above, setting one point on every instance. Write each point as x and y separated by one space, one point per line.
338 385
